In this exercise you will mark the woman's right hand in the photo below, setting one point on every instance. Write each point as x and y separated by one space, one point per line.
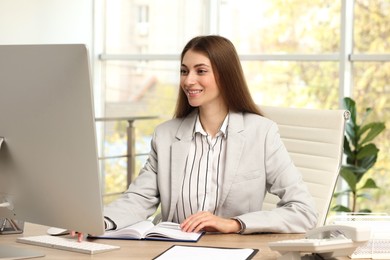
80 236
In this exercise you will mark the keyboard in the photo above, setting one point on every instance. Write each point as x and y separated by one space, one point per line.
69 244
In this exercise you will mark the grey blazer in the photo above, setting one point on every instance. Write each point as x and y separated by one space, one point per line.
256 162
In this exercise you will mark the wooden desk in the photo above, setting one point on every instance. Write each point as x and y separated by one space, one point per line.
131 249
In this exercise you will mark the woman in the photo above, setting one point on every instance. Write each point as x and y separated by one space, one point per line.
212 164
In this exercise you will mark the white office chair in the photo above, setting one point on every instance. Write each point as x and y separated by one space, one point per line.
314 140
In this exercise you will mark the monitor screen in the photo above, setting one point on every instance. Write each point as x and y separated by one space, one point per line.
48 154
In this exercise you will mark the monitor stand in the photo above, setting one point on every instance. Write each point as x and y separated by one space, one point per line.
11 252
11 226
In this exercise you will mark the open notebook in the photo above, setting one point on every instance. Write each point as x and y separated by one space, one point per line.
146 230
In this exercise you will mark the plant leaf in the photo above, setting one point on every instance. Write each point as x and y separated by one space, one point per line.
366 151
349 177
341 208
351 133
347 148
372 129
357 170
367 162
370 184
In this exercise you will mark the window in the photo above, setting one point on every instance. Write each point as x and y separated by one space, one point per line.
371 83
300 53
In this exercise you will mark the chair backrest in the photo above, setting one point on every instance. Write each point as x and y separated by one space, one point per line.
314 140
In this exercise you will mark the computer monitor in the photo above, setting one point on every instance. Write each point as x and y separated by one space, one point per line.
48 155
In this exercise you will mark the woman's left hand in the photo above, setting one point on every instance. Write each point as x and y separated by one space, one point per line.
206 221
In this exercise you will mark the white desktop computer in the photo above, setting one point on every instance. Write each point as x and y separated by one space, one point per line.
48 155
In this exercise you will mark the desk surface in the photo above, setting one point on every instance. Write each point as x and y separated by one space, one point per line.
131 249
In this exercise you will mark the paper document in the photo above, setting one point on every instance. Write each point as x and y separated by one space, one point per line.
206 253
378 247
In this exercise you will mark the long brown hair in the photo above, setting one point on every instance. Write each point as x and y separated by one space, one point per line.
227 71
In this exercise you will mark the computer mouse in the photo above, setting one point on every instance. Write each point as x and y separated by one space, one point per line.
57 231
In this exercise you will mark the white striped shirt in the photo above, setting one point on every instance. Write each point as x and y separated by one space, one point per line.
204 172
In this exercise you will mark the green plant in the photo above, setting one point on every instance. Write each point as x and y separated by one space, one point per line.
361 155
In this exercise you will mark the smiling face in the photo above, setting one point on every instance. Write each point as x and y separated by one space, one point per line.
198 82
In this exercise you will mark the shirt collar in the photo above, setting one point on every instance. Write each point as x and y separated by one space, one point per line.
222 130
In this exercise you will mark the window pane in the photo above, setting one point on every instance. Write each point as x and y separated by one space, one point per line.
296 84
372 89
152 26
135 88
115 145
115 175
138 88
115 136
372 30
296 26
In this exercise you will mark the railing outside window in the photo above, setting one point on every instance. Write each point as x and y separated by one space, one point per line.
131 142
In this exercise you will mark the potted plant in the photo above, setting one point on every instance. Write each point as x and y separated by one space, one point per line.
360 156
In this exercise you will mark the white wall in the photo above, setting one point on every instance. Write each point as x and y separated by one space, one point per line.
46 21
50 21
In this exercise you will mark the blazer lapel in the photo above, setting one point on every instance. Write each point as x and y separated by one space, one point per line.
179 154
235 145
